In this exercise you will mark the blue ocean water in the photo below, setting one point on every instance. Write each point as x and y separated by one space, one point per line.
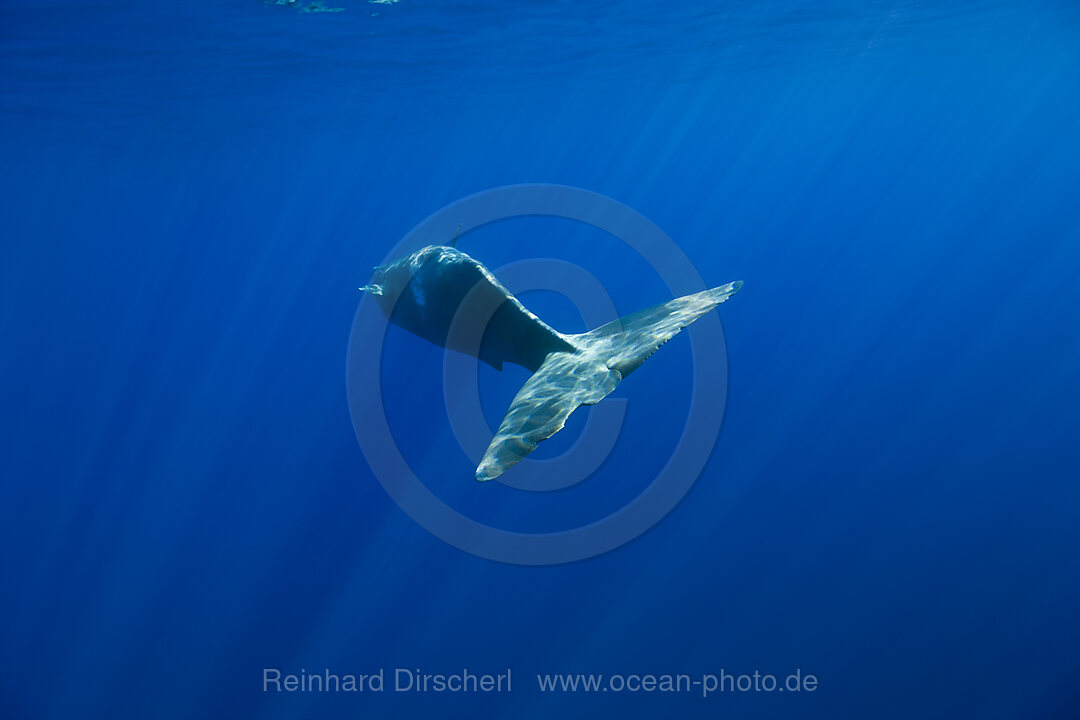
191 194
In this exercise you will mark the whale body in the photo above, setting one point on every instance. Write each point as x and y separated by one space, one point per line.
446 297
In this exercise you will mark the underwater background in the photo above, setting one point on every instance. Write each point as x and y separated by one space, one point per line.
191 194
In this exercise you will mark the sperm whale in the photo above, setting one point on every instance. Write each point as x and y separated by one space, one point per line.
430 293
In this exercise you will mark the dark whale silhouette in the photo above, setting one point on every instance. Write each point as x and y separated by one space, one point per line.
446 297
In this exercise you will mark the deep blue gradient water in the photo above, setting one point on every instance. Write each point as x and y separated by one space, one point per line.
191 193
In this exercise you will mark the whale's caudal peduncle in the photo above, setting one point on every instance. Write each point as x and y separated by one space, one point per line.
444 296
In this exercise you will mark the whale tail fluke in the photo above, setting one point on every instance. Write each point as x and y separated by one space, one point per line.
626 343
601 359
564 382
